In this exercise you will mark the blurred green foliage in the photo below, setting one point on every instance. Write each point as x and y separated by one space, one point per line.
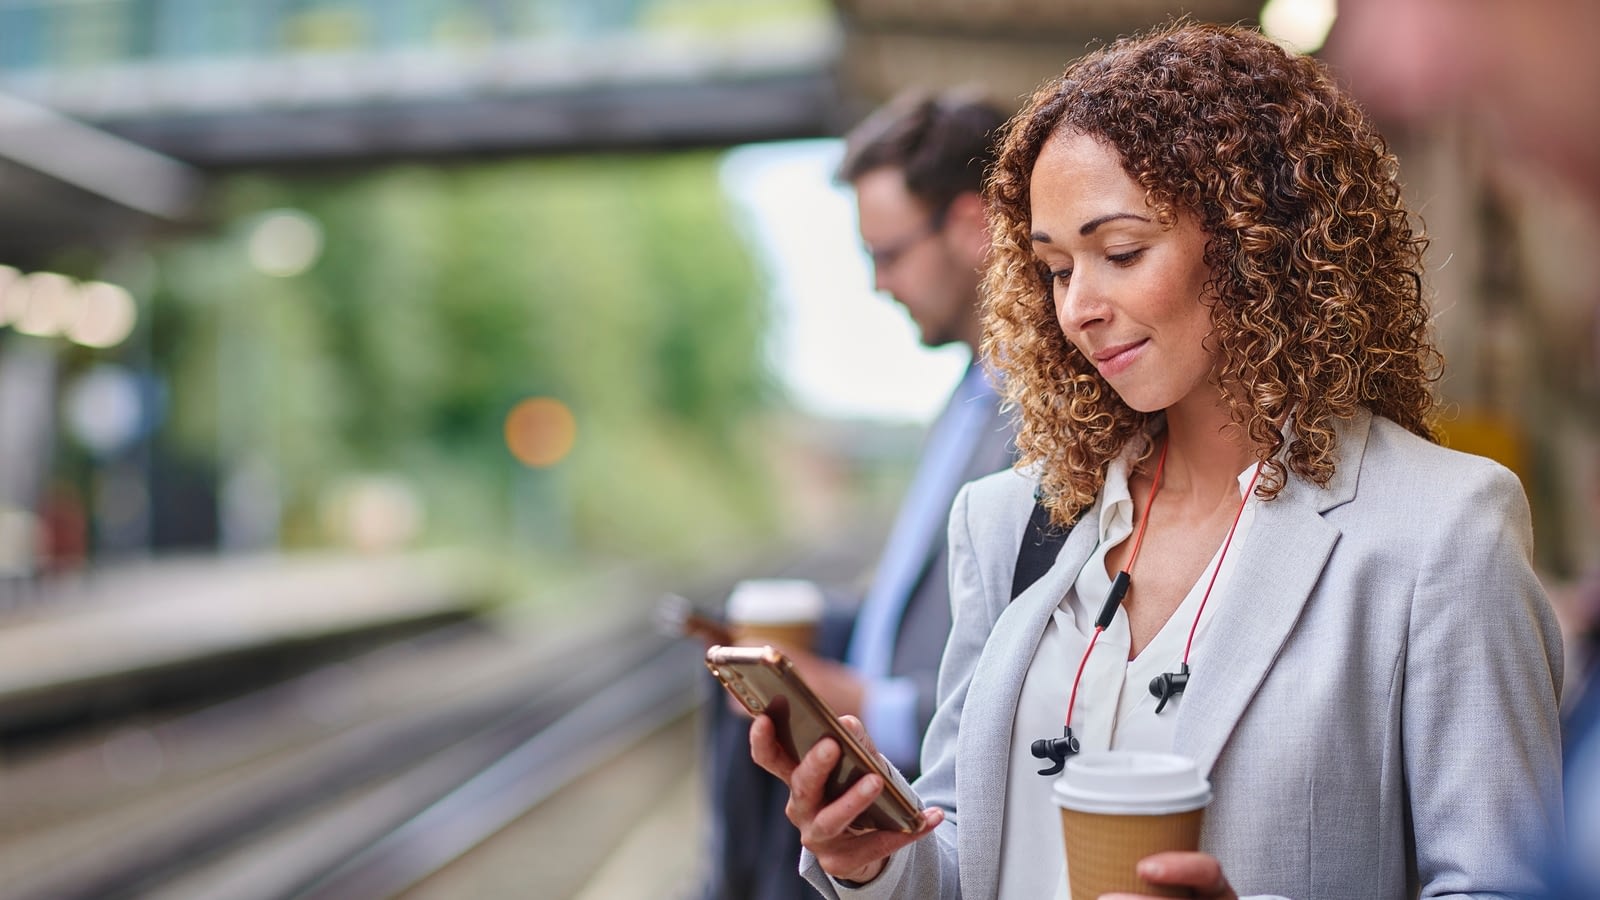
443 296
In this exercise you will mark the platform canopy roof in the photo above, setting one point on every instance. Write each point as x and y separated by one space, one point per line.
96 154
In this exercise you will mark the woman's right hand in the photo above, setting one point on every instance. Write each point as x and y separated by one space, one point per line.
843 852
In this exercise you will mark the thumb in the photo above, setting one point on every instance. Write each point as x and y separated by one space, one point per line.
857 731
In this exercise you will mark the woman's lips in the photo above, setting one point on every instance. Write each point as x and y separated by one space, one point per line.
1113 360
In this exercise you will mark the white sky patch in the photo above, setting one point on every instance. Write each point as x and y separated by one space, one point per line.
841 349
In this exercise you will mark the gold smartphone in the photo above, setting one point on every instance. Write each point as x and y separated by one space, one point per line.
765 682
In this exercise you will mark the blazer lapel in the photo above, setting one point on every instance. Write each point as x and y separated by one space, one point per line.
986 720
1279 565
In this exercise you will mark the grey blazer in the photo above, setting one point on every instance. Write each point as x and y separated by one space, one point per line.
1377 711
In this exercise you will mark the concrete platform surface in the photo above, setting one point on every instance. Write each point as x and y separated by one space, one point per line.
121 620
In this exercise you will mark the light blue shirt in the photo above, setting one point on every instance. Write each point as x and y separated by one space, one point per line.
889 704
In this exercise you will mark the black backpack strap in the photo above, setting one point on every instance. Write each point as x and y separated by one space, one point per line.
1041 544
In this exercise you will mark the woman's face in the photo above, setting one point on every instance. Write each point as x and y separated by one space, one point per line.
1127 289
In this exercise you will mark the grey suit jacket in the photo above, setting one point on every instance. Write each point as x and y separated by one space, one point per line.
1376 709
925 624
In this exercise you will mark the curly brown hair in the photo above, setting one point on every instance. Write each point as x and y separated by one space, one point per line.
1316 269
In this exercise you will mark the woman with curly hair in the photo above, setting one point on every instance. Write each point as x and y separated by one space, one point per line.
1205 298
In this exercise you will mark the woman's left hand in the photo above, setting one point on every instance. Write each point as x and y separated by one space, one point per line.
1200 872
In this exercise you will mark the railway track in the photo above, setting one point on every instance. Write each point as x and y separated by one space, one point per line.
358 778
348 778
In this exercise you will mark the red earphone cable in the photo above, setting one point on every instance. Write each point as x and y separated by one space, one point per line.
1224 555
1127 570
1150 501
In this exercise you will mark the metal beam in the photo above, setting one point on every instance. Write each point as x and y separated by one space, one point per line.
600 117
614 92
98 163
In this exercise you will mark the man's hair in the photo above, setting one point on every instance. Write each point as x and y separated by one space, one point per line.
944 143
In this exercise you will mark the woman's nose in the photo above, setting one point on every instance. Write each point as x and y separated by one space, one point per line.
1079 303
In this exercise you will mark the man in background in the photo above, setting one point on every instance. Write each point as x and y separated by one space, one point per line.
917 167
1523 73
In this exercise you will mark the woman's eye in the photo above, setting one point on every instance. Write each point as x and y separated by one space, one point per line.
1060 276
1125 259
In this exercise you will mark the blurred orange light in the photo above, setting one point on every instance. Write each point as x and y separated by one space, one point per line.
540 431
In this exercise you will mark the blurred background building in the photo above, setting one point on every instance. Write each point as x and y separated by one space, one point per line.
138 131
368 278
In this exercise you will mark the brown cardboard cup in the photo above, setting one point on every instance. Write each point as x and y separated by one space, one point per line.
1118 807
782 612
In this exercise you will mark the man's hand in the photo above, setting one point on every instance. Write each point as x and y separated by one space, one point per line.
837 684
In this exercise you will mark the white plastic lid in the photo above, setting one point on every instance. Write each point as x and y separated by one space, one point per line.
1119 782
770 601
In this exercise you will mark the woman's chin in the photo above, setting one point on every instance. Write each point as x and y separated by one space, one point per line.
1142 401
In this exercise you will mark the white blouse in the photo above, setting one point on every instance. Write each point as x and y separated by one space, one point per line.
1114 708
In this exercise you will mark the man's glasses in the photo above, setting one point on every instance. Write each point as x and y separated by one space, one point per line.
884 258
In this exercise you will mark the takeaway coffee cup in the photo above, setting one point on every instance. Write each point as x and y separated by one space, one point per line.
1118 807
778 611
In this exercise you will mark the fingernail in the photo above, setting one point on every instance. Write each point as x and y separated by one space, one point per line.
868 784
1151 870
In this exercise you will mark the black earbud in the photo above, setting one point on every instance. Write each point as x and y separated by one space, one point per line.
1167 685
1056 750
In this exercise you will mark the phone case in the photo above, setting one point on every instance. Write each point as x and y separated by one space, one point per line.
766 683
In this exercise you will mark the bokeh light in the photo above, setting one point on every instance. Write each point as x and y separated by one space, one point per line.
104 409
94 314
106 315
9 305
540 431
45 304
1301 25
373 513
284 243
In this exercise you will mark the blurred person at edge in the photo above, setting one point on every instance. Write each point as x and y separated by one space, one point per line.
1523 71
1526 75
1204 298
917 166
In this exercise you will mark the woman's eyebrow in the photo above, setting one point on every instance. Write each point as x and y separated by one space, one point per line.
1089 226
1040 237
